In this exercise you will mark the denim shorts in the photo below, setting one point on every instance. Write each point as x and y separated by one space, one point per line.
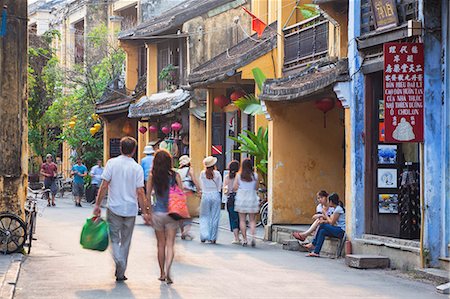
51 184
78 189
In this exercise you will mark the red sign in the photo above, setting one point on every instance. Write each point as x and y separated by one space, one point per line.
216 150
403 92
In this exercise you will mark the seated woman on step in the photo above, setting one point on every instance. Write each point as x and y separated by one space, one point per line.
322 198
333 226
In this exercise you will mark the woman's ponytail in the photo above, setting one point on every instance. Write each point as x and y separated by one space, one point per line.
334 198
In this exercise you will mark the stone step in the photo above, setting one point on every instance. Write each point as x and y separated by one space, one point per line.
445 263
443 288
362 261
437 276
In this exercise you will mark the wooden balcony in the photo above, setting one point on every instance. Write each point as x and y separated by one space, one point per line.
406 10
310 40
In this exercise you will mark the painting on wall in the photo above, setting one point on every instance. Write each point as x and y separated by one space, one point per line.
387 154
388 203
387 178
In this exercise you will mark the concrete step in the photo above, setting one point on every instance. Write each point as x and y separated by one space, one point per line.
445 263
362 261
437 276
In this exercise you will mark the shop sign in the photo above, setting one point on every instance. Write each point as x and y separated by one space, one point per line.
216 150
384 13
403 92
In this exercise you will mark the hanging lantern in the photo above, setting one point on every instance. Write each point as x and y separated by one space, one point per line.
97 126
221 101
72 124
176 126
237 94
93 131
142 129
165 130
153 129
127 128
94 116
324 105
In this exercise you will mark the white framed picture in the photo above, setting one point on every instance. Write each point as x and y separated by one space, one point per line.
387 154
388 203
387 178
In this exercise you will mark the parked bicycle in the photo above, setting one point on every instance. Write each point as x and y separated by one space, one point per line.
12 233
63 185
31 212
264 208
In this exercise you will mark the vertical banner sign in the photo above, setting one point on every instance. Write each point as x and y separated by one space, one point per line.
403 92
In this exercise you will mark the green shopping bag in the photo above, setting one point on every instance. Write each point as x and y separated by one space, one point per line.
95 234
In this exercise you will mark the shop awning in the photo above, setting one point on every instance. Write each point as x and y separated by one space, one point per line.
115 98
172 19
314 79
225 65
159 104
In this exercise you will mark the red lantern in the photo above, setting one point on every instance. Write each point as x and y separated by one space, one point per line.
237 94
142 130
324 105
153 129
176 126
221 101
165 130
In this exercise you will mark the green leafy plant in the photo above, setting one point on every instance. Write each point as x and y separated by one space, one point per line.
167 75
308 10
250 104
255 145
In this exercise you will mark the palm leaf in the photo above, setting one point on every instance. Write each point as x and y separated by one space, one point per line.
259 77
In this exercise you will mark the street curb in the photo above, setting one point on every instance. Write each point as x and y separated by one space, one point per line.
8 286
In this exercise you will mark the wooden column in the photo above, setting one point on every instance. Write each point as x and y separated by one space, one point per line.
13 109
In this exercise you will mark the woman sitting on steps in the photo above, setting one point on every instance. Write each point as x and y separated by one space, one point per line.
333 225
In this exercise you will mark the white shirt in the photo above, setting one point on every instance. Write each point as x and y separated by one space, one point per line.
125 176
214 185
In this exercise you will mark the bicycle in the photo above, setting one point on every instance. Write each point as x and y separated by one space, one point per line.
63 185
12 233
31 213
264 208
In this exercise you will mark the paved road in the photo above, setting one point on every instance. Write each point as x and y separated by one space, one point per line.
59 268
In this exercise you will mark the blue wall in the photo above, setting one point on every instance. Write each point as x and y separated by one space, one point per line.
433 135
356 102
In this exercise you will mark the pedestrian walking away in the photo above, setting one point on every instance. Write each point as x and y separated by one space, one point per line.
228 184
247 201
79 171
123 178
333 225
147 163
191 188
322 198
96 174
49 171
161 179
211 185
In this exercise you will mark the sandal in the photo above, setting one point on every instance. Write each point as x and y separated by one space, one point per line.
49 205
312 254
169 280
53 204
244 244
253 243
298 236
308 247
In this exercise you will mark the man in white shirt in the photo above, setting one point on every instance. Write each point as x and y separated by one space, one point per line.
124 180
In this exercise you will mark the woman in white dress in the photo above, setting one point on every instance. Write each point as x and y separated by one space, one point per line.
247 201
211 185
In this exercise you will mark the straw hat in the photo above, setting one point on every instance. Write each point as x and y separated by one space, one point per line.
148 150
209 161
184 160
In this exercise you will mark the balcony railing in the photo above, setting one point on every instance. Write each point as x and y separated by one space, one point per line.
305 42
406 10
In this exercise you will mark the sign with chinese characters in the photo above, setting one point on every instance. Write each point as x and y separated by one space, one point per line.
403 92
384 13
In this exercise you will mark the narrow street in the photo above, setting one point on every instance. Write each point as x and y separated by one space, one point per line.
59 268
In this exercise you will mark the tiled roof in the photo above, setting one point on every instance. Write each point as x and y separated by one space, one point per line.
227 63
115 98
315 78
172 18
159 104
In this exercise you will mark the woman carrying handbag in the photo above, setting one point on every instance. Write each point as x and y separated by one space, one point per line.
163 179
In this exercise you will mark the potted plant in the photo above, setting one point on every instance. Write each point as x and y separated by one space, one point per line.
168 75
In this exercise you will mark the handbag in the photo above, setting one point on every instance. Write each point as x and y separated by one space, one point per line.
94 234
177 207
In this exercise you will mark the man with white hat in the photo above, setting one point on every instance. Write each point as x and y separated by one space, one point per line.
147 163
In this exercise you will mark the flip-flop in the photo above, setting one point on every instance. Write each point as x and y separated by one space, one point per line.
298 236
307 247
312 254
169 280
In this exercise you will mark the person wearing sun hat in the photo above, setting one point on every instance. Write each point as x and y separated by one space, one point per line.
190 188
211 185
147 161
